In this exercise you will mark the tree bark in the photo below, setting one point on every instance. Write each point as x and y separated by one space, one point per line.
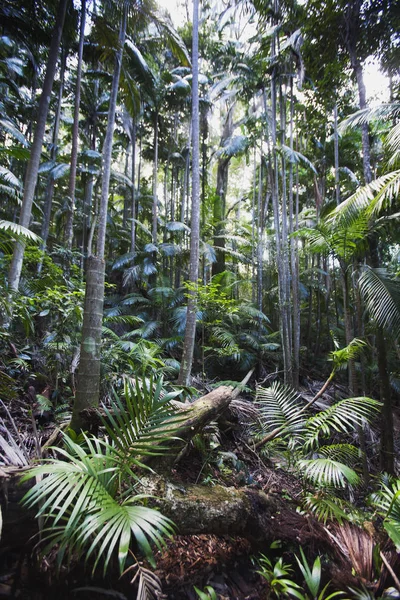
88 388
36 150
53 156
75 134
190 330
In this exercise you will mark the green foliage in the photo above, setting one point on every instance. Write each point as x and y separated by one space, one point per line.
144 423
278 577
312 578
207 594
87 496
387 501
326 466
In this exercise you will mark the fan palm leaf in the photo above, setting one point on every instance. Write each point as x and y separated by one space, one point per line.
325 472
79 493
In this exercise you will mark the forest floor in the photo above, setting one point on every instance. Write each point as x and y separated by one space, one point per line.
227 563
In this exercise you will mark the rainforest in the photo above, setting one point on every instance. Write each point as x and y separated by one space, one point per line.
200 299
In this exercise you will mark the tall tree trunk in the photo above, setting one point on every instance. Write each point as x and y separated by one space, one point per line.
220 199
75 134
294 255
89 366
155 182
48 201
36 150
133 179
190 331
336 152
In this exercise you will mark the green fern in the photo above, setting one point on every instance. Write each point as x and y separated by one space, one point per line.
279 406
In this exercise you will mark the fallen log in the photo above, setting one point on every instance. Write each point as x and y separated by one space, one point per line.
257 515
199 414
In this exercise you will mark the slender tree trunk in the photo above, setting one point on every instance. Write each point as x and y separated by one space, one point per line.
36 150
155 182
89 366
294 255
53 155
336 152
260 239
133 179
190 331
75 133
219 265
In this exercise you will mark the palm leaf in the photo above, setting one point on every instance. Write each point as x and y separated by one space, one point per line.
325 507
78 498
145 423
19 230
325 472
381 294
344 416
365 115
344 453
294 157
279 406
371 198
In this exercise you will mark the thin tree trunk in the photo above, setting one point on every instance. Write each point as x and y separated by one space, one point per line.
36 150
53 155
190 331
336 152
89 366
133 179
75 134
219 265
155 182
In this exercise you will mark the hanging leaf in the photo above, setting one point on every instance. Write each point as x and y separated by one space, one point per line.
177 226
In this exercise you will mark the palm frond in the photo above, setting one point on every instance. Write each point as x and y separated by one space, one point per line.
145 423
345 453
19 230
365 115
78 498
344 416
381 294
279 406
371 199
294 157
325 472
325 507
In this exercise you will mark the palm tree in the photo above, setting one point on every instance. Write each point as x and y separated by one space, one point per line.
75 132
190 331
34 159
88 388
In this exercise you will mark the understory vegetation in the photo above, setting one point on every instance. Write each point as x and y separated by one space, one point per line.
200 307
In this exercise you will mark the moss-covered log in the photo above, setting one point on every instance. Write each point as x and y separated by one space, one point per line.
254 514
